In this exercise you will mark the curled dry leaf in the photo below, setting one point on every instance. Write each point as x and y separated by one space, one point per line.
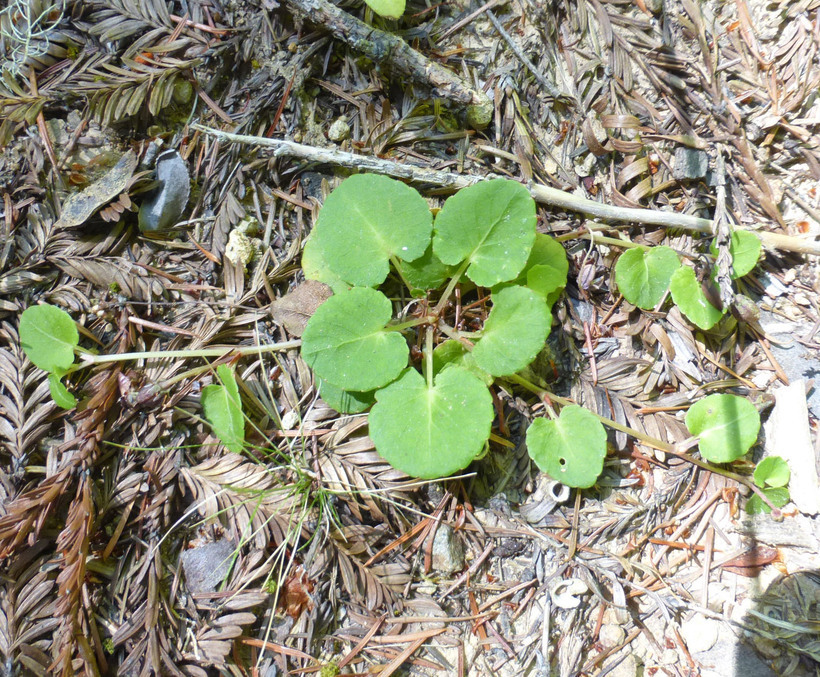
296 307
80 206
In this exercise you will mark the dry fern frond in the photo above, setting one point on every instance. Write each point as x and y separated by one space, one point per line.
27 612
377 587
351 467
25 403
131 280
118 92
250 498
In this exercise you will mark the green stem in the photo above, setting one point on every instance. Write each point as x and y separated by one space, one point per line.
613 241
409 324
445 297
460 336
428 357
646 439
87 360
397 265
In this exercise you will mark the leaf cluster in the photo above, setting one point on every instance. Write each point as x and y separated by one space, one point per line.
645 275
376 243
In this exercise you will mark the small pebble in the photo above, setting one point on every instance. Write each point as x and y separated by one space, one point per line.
700 633
611 635
339 130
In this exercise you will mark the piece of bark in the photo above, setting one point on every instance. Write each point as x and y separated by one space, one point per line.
386 48
788 435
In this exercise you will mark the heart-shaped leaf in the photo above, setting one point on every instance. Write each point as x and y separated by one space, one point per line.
726 424
454 353
426 272
392 9
48 336
365 221
490 224
570 449
317 268
744 247
346 343
514 332
345 401
643 275
546 269
772 471
433 431
223 409
779 496
60 394
689 297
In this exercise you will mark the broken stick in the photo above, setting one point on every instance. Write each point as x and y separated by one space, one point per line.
387 48
542 194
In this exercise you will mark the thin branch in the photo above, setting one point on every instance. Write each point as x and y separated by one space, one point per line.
542 194
386 48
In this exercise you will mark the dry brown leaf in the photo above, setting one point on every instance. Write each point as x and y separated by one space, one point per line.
80 206
296 307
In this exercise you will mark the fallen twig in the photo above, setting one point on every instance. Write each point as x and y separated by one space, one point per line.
542 194
387 48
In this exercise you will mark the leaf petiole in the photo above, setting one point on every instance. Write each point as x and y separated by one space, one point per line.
409 324
648 440
90 359
451 285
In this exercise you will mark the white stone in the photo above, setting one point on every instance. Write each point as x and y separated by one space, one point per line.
611 635
700 633
339 130
240 249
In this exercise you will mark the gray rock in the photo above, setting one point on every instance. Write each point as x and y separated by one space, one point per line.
796 360
205 566
729 657
690 163
448 551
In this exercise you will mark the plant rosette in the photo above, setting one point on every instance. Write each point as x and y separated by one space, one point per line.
484 282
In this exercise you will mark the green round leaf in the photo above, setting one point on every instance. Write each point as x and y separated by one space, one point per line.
514 332
570 449
772 471
392 9
223 409
60 394
433 431
346 401
745 249
545 281
316 267
490 224
726 424
368 219
426 272
688 296
48 336
346 344
547 267
454 353
777 495
643 275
